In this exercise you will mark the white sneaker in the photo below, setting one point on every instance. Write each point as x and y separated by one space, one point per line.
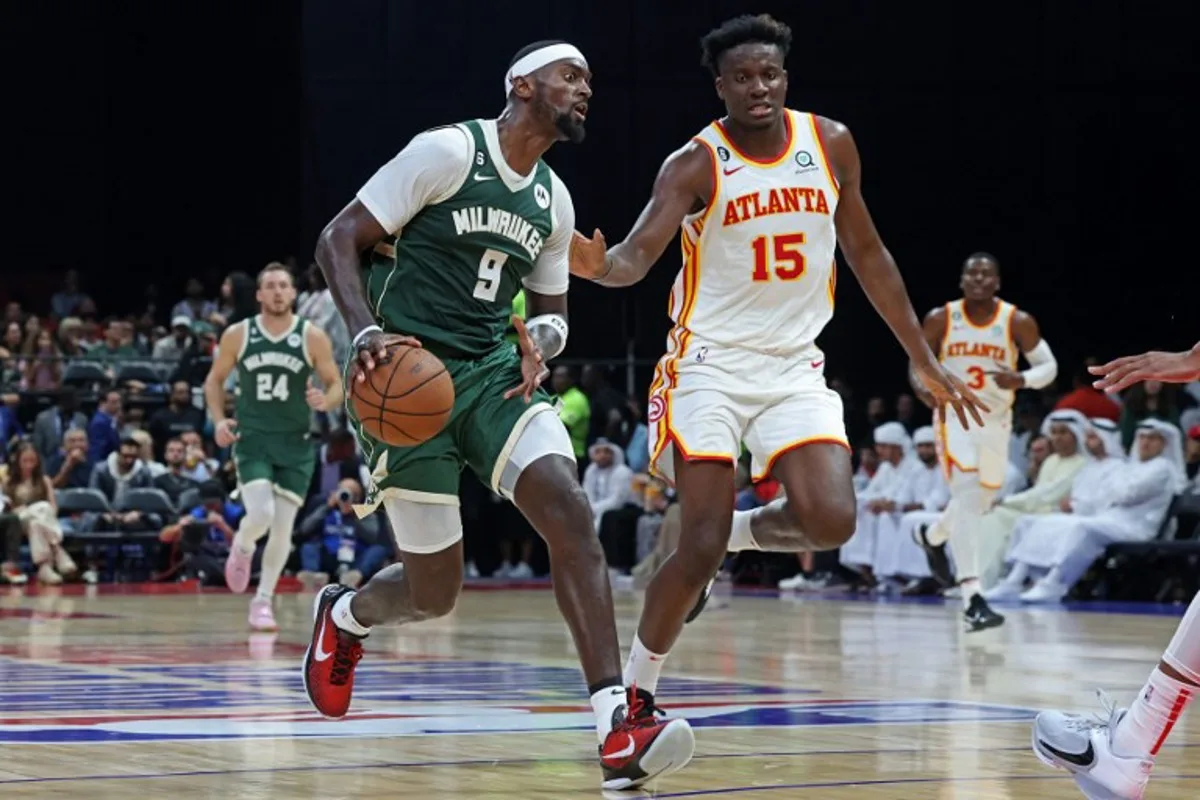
503 571
1004 590
1044 591
794 584
471 571
1083 746
521 572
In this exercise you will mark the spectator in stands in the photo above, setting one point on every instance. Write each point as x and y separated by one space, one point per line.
574 409
115 346
1039 451
194 305
197 359
178 417
603 400
1086 399
70 336
31 328
66 302
893 445
10 351
171 348
51 425
146 451
175 481
1128 505
196 463
10 426
42 367
906 412
919 496
877 412
316 305
607 482
204 535
12 535
13 312
1105 464
31 497
104 429
655 502
1149 400
337 460
1067 431
113 477
868 464
338 543
1029 419
238 300
637 448
69 464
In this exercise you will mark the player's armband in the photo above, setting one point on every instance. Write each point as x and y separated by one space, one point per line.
549 333
1043 369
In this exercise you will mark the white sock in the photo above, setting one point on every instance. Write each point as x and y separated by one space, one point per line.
344 619
279 546
1150 719
936 534
258 498
969 589
605 703
742 538
644 667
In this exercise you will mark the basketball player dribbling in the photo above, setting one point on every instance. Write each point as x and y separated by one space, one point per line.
1112 757
763 197
978 339
275 354
452 228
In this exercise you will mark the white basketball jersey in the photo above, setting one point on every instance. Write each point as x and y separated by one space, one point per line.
970 351
758 261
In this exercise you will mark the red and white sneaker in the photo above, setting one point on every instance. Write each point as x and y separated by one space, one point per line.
643 747
331 657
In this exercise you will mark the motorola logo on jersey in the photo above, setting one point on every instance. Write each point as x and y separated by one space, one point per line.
541 196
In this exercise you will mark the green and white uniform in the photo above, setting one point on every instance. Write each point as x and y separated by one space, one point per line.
467 234
273 417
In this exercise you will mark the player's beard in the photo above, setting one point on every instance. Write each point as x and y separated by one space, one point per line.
568 127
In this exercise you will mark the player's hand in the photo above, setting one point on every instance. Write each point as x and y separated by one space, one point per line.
947 389
372 349
1007 379
589 257
314 396
226 433
1153 366
1065 505
533 367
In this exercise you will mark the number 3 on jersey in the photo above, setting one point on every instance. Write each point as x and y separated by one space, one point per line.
269 389
789 260
977 378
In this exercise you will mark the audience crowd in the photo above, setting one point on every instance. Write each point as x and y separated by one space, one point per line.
111 471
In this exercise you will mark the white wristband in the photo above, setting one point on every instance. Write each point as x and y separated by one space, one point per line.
358 337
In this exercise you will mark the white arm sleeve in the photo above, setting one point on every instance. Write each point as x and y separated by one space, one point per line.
551 272
1043 369
428 170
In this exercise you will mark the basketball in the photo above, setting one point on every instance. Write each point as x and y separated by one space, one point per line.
406 399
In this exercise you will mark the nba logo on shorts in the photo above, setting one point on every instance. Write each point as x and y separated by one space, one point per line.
655 409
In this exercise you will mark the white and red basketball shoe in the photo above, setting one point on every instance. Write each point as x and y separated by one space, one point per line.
642 747
331 658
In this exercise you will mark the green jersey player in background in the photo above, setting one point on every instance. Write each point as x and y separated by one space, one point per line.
275 354
452 228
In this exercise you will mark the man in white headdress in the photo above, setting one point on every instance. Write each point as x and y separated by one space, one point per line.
919 499
1067 431
1128 507
893 444
1088 492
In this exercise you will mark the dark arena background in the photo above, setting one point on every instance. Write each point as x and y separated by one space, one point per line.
157 149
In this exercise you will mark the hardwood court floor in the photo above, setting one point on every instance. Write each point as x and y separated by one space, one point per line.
168 697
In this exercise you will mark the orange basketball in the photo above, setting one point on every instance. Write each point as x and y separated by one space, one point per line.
406 399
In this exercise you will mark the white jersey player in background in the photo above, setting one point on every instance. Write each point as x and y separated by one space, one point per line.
763 197
978 339
1112 756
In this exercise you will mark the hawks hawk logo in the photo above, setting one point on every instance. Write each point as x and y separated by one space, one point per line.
656 409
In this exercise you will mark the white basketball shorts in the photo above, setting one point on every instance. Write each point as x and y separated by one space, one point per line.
708 400
975 449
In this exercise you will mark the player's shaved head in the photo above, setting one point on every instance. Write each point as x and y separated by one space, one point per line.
746 29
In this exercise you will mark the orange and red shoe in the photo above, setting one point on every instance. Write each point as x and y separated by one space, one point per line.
331 658
642 746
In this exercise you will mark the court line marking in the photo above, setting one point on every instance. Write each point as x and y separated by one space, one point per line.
494 762
895 782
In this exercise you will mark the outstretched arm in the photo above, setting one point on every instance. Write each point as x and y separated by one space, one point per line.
880 278
684 185
1153 366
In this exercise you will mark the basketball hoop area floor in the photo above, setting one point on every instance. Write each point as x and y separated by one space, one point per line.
167 696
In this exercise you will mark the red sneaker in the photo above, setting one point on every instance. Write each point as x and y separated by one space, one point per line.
331 658
643 747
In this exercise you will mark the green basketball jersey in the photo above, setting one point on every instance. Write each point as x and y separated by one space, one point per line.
273 375
450 277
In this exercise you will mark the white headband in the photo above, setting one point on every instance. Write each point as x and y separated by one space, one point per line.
531 62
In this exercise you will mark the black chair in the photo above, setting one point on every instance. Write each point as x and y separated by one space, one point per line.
80 501
84 374
138 371
188 500
148 501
